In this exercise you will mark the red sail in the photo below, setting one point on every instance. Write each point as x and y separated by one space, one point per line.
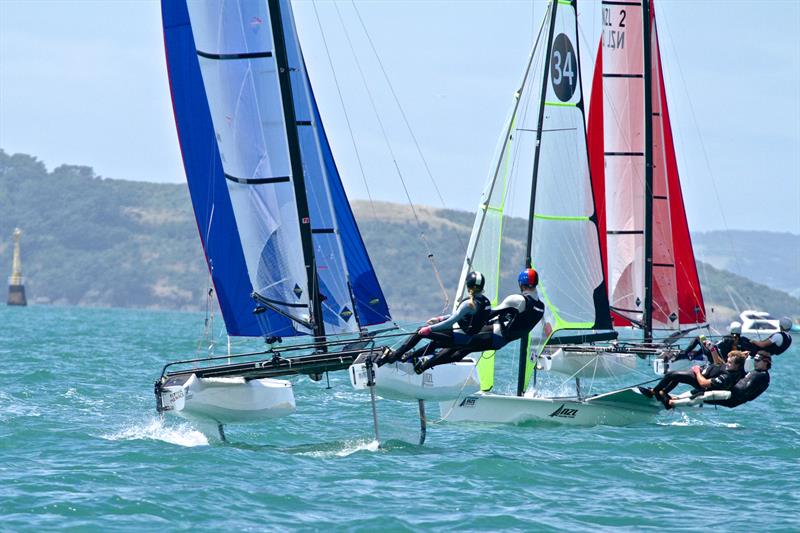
616 122
596 145
682 280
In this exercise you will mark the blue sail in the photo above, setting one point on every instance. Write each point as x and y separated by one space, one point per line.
370 302
337 240
233 133
206 179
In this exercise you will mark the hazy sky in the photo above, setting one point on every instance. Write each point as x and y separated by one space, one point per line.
84 82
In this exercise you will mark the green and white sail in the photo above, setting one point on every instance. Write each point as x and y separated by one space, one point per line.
542 176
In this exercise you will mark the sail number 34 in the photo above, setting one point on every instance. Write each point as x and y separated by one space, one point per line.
563 68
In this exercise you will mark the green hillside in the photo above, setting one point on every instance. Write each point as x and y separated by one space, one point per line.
99 242
103 242
770 258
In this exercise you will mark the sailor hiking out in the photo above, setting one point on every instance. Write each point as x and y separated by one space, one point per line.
701 349
777 343
751 386
712 377
514 318
446 331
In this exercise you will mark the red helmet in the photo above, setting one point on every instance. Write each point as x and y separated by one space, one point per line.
528 277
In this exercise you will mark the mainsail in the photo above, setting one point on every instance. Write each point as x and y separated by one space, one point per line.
276 226
651 269
544 160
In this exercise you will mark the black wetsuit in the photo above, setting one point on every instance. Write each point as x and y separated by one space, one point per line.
697 350
513 325
469 326
746 389
722 378
728 344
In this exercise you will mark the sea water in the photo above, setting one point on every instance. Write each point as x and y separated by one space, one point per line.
82 449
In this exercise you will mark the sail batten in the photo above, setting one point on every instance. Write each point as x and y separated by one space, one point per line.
546 136
651 269
256 157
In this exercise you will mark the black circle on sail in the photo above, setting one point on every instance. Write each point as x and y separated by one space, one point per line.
563 68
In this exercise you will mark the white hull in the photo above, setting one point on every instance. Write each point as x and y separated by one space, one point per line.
619 408
227 400
588 364
398 381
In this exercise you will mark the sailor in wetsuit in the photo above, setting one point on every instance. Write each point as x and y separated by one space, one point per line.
450 330
751 386
514 318
777 343
711 377
700 349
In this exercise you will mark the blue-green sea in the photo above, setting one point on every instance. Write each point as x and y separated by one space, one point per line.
82 449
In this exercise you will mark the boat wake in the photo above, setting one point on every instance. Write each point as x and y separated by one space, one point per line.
684 420
342 449
182 434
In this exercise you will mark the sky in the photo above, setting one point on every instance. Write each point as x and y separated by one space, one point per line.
84 82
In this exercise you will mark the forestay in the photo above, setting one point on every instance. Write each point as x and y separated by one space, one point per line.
268 198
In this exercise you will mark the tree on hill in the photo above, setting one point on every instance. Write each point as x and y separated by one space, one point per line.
94 241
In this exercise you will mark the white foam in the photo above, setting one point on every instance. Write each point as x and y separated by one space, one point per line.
182 434
685 420
349 448
682 421
11 408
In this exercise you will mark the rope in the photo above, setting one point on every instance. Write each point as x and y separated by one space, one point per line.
402 114
344 109
392 154
455 401
699 136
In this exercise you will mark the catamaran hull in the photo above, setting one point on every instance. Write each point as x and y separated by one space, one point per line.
619 408
398 381
227 400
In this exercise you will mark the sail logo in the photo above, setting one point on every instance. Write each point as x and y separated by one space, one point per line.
468 402
564 413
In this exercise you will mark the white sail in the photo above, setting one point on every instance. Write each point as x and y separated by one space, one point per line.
565 240
566 249
624 137
236 53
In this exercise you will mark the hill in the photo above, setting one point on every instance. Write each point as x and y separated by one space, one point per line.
769 258
103 242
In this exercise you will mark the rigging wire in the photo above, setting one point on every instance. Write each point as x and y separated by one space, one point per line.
399 107
699 136
423 238
344 109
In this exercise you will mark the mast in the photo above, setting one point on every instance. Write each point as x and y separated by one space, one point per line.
298 181
523 346
509 127
647 317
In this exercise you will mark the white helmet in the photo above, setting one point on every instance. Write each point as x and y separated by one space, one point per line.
786 323
735 328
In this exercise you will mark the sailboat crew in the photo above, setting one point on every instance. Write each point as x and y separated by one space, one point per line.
449 330
514 318
751 386
711 377
777 343
700 349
